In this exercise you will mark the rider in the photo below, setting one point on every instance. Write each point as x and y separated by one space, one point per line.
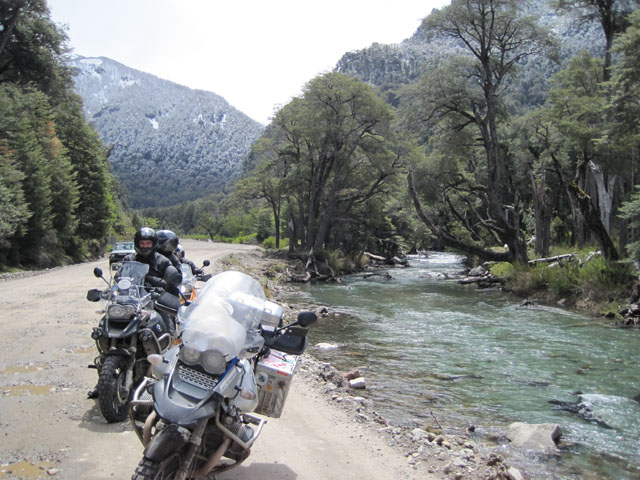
181 254
167 245
145 241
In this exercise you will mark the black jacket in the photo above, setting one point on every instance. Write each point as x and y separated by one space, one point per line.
158 265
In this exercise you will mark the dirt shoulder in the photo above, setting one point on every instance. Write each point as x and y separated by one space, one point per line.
50 429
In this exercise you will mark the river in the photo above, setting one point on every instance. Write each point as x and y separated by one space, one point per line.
436 351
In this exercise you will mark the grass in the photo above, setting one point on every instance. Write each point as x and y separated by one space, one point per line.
594 285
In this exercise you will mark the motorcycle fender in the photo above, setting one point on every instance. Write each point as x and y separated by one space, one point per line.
119 351
130 329
170 440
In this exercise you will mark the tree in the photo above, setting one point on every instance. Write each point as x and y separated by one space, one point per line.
578 110
64 174
631 211
95 208
330 152
612 15
13 207
32 47
494 38
268 180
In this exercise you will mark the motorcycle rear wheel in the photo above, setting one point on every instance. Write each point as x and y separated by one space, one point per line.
113 396
164 470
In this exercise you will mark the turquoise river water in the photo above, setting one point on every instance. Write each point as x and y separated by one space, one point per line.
436 350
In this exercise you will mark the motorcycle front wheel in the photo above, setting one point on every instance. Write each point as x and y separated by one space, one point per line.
164 470
113 394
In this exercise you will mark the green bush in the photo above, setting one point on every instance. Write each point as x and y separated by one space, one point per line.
596 281
270 242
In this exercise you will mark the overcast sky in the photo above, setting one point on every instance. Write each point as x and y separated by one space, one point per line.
257 54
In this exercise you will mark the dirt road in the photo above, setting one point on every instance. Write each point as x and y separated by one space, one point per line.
49 429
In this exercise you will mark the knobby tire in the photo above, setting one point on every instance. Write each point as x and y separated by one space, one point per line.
164 470
112 398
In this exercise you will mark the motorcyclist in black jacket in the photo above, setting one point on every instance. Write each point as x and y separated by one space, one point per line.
145 241
167 245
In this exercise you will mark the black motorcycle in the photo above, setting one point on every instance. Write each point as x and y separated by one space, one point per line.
137 322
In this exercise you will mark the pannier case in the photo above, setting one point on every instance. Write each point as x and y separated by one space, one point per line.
273 376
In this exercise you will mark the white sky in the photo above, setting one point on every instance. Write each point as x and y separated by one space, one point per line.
257 54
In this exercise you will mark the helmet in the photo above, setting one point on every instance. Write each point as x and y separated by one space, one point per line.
167 242
180 253
145 233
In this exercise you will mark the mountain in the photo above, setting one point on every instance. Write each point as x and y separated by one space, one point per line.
168 143
389 66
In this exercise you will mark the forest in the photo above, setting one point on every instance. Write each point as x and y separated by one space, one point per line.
468 155
56 193
458 157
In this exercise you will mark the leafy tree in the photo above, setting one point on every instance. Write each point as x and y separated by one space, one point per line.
467 93
332 153
578 109
612 15
95 210
32 47
62 187
268 181
15 211
631 211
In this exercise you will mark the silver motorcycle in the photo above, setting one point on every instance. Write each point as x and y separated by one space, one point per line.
198 413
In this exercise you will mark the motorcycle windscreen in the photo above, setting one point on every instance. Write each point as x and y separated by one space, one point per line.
208 325
242 293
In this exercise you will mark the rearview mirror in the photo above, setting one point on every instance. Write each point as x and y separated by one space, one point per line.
306 318
93 295
97 272
206 263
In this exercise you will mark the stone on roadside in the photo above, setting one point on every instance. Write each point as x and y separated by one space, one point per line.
478 271
358 383
541 437
418 434
514 474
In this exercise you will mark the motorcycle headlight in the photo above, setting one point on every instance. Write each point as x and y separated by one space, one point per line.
119 312
189 354
213 362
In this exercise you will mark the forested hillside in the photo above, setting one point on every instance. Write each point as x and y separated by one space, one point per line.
181 143
56 202
389 66
505 132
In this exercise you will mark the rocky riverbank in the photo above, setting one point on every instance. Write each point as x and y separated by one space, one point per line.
427 448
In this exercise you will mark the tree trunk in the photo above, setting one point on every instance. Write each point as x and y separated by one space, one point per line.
542 213
292 233
8 31
605 194
444 237
592 218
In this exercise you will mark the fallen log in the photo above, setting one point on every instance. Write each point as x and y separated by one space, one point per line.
485 279
298 278
556 258
377 258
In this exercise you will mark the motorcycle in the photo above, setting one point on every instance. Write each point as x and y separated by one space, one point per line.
135 324
234 359
188 286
